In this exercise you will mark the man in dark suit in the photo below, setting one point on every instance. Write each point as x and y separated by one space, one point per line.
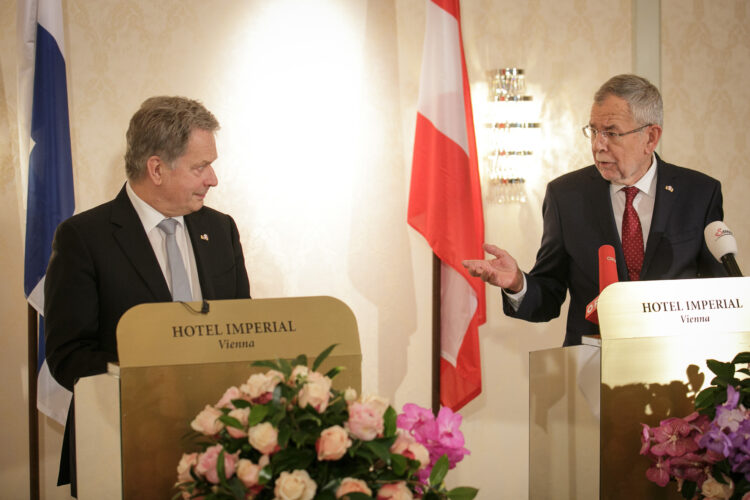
651 212
117 255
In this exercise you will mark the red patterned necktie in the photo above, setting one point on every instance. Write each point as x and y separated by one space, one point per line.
632 235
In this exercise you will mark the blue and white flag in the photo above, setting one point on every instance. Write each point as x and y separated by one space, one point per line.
50 170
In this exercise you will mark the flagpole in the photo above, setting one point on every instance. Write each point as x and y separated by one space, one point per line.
33 333
436 265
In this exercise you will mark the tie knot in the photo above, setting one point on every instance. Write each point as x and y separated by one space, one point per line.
630 193
168 226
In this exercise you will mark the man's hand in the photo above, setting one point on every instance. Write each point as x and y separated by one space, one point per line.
501 271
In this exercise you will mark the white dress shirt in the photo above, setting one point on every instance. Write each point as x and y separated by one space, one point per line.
150 217
643 203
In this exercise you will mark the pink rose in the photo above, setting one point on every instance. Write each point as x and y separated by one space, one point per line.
351 485
207 460
395 491
183 468
229 395
242 415
207 421
407 446
296 485
332 443
365 421
259 387
264 438
378 403
316 392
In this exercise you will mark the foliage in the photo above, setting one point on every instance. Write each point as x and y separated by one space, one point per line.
287 434
707 453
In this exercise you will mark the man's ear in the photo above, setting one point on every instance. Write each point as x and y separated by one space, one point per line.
154 169
654 134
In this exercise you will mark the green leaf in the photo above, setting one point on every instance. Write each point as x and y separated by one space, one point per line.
439 470
266 474
241 403
742 357
722 370
353 496
398 463
462 493
286 368
267 364
300 360
334 371
257 414
688 489
389 422
705 398
220 469
380 450
231 422
322 356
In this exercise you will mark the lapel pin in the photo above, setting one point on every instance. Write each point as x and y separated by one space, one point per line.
669 188
204 237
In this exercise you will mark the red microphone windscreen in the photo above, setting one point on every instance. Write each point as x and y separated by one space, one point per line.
607 266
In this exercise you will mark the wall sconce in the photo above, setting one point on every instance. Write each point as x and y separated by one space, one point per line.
512 135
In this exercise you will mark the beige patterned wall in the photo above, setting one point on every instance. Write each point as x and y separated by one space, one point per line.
705 72
317 103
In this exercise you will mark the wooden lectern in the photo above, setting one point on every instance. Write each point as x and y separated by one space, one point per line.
587 402
175 358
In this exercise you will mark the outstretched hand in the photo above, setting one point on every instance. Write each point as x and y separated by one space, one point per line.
502 270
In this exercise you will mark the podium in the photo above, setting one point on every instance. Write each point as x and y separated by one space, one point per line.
587 402
175 358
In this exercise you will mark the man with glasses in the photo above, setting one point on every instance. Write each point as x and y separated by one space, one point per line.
653 214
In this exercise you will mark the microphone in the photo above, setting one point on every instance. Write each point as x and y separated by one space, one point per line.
607 276
722 245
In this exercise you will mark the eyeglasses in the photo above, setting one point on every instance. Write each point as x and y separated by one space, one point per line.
590 132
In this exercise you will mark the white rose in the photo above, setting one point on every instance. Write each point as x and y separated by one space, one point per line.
207 421
296 485
263 437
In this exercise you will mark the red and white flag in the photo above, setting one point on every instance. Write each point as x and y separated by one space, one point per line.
445 199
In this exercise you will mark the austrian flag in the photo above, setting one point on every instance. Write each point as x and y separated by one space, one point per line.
445 201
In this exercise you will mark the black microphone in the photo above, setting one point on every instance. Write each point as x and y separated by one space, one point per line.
722 245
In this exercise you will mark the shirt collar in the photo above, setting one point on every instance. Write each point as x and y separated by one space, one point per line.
646 184
148 215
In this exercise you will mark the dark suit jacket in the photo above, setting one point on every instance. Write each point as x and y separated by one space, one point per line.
102 264
578 219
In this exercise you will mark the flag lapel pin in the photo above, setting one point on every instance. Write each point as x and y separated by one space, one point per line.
204 237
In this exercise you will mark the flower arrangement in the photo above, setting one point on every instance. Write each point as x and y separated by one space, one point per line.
708 452
286 434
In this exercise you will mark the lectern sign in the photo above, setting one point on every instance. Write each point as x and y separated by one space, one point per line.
231 330
660 308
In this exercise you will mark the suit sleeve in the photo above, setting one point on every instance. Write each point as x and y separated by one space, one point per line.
71 305
243 283
547 282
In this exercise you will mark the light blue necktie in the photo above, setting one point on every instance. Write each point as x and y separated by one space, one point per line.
180 284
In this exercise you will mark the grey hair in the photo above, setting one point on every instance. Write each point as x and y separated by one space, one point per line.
162 127
643 98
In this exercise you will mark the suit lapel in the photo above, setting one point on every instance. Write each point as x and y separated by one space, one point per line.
130 236
200 238
601 205
663 205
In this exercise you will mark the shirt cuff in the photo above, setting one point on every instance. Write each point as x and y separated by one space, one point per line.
515 299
